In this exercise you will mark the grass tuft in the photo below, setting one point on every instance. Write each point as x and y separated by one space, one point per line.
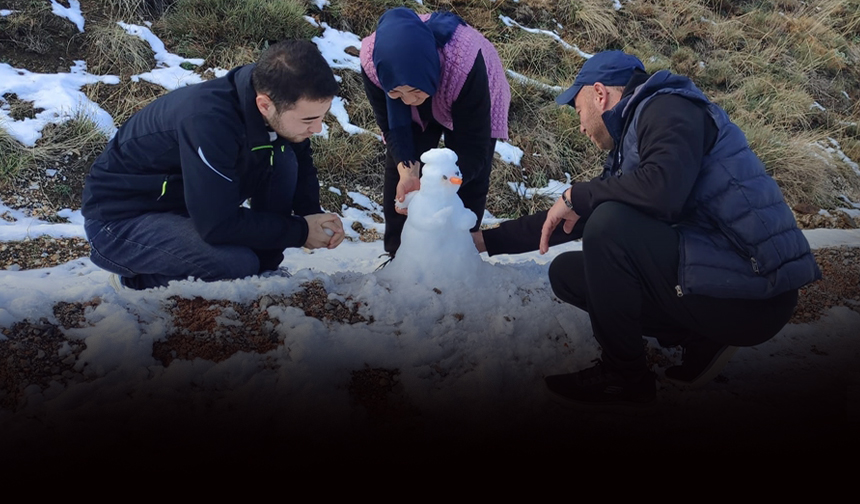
199 28
360 16
593 21
35 28
14 157
110 50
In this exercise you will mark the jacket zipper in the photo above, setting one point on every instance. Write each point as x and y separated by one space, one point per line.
163 189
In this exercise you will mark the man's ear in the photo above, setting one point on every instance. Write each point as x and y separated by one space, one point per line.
265 105
601 95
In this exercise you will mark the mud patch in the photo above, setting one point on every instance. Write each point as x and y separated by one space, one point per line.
35 354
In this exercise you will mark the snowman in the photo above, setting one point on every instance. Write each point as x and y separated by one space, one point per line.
436 246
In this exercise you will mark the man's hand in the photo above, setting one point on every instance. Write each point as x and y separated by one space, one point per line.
559 212
478 238
410 180
324 230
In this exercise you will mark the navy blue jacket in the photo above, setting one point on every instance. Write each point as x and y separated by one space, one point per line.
204 150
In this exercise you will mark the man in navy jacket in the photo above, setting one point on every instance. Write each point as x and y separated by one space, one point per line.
165 200
685 237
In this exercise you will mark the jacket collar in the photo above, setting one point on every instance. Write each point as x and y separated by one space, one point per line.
256 129
615 117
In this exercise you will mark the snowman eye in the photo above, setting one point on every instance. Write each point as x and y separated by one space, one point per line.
444 177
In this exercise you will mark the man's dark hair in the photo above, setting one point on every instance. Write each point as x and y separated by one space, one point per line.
291 70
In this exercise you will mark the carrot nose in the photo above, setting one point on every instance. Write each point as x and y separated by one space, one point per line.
456 180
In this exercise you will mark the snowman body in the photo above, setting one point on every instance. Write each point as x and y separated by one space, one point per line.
436 245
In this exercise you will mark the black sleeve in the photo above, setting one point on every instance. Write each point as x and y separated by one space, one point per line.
471 137
213 195
671 133
306 200
376 97
522 235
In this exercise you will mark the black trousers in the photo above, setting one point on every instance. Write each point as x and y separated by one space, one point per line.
625 278
473 192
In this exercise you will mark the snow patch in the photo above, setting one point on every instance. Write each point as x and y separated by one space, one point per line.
570 47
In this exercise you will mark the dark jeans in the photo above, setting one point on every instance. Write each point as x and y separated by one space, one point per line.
625 278
473 192
155 248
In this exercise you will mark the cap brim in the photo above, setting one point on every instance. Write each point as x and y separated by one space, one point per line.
566 97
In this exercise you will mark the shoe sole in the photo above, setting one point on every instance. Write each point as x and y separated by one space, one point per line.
116 283
711 370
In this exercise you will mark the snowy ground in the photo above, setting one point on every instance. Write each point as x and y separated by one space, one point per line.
471 358
471 355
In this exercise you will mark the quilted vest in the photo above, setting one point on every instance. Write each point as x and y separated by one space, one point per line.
739 239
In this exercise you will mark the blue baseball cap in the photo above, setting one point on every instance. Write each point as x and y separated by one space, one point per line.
611 68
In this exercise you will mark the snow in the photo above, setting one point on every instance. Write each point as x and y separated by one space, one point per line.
338 110
436 246
553 189
168 73
570 47
532 82
837 150
72 12
509 153
6 12
59 96
332 44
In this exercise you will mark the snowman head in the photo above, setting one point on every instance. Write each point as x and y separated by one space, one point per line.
440 172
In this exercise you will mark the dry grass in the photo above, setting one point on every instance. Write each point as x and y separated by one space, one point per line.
349 161
14 157
360 16
592 21
110 50
801 170
358 107
128 10
34 28
79 135
540 58
670 22
780 105
199 28
124 99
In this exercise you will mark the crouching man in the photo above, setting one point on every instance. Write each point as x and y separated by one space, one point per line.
685 238
164 201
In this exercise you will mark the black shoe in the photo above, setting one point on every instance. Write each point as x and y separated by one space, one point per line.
599 385
702 360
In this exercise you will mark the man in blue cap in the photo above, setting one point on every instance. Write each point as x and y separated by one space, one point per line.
685 238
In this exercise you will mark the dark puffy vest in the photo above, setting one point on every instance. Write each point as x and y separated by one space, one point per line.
739 238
